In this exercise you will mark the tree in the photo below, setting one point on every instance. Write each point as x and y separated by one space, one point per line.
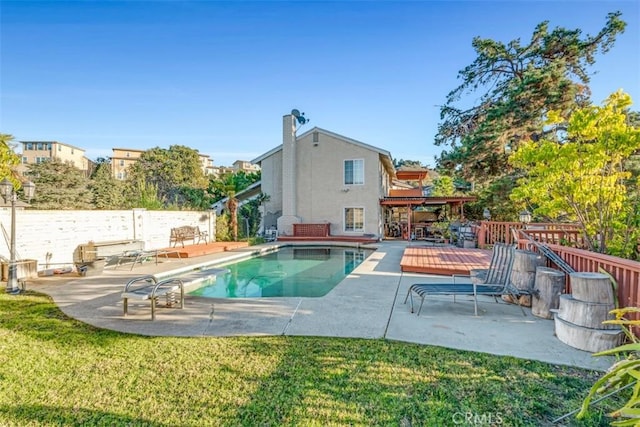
219 188
520 84
583 176
143 194
443 186
252 214
59 186
169 171
232 206
411 164
8 158
107 192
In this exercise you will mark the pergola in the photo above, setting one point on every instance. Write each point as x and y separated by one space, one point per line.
413 197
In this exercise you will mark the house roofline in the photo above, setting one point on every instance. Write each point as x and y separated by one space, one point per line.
267 154
385 155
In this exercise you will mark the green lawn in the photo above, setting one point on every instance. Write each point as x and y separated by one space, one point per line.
57 371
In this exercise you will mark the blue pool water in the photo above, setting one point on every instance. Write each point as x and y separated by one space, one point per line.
289 272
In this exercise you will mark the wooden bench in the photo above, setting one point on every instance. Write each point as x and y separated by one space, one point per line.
148 288
187 232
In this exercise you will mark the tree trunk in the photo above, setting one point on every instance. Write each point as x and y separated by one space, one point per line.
592 287
586 314
549 284
587 339
578 322
523 274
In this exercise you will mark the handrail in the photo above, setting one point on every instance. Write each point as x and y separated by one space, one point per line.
147 278
167 285
491 232
151 291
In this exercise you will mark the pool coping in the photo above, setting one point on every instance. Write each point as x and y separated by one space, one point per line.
368 303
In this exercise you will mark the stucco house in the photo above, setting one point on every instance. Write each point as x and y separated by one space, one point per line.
320 177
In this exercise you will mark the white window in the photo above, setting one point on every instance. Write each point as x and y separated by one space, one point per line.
354 219
353 172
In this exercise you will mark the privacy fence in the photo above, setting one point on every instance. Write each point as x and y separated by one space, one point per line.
50 237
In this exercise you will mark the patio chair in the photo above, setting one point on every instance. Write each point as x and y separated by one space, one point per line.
494 281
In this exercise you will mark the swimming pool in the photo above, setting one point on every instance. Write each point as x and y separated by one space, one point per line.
292 271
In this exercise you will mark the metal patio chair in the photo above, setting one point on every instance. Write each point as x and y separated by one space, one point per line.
494 281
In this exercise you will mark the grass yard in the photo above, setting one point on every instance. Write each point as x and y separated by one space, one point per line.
55 371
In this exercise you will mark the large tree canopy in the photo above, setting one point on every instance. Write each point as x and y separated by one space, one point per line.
108 192
8 158
169 171
583 176
520 84
59 185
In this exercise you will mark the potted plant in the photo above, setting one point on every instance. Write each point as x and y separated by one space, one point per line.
441 229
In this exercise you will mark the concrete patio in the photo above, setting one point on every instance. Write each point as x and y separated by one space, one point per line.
369 303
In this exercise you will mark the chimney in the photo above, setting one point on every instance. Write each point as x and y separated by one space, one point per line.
289 165
288 218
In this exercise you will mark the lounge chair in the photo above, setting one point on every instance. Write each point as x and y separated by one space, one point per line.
494 281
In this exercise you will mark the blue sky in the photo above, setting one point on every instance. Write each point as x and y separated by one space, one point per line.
219 76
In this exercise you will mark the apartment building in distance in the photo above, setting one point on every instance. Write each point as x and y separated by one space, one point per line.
245 166
122 158
207 164
34 152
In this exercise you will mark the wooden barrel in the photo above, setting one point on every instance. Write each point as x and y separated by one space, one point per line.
592 287
549 284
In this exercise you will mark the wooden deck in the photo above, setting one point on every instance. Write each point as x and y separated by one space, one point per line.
190 251
445 260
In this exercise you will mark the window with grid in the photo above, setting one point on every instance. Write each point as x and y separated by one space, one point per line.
354 171
354 219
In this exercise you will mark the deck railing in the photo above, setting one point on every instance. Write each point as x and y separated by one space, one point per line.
491 232
625 271
567 241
